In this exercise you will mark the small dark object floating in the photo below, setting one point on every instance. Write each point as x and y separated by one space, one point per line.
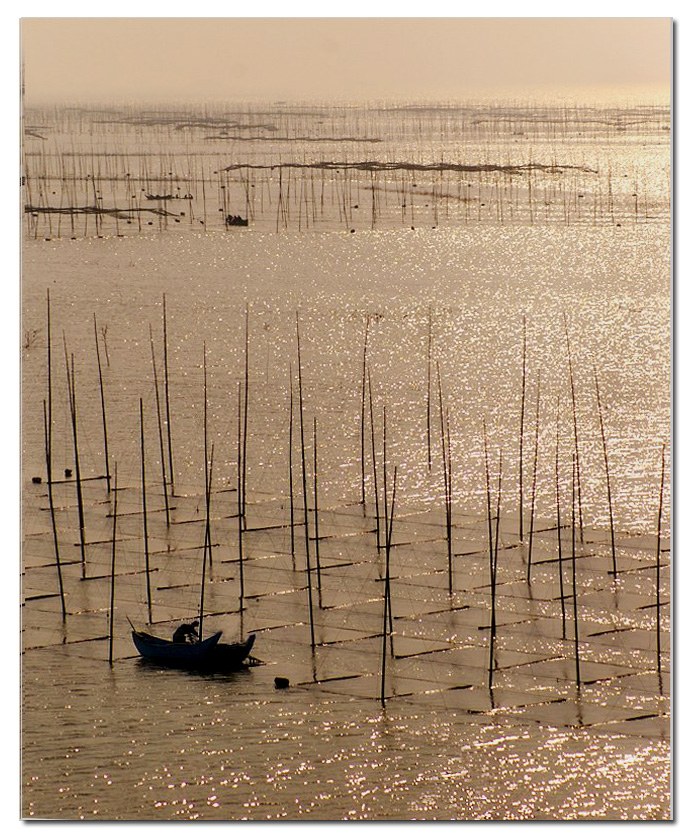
236 221
68 473
281 682
36 480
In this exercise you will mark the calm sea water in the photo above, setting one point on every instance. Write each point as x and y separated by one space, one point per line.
131 742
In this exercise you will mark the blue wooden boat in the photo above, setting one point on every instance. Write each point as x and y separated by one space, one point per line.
207 654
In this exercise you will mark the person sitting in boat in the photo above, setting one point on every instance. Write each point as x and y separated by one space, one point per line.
186 633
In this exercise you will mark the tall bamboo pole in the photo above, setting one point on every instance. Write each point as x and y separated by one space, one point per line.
374 458
316 511
101 393
49 479
520 441
557 498
658 561
70 371
167 408
573 409
363 384
573 567
534 479
246 411
145 515
304 476
290 465
607 472
428 388
113 568
159 426
207 542
240 516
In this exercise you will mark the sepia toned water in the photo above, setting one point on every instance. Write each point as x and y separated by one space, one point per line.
131 741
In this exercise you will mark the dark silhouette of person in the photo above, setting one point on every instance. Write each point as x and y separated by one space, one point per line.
186 633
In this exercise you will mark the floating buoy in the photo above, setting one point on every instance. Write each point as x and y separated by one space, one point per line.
281 682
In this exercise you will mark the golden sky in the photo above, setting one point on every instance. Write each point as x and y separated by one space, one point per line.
358 59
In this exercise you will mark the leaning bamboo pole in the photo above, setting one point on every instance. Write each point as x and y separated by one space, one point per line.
103 403
304 481
70 372
163 467
49 480
374 458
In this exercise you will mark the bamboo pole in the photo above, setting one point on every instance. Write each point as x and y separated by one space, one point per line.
375 467
316 511
145 515
520 443
387 598
428 389
304 477
290 465
207 542
113 569
562 597
70 371
159 425
446 483
534 479
49 478
207 539
658 561
240 516
492 628
573 566
49 445
167 404
573 408
363 383
101 393
607 473
246 412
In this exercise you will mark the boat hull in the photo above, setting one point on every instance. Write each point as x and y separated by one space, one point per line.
208 654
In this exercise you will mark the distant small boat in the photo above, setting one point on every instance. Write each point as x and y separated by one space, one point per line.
159 197
236 221
207 654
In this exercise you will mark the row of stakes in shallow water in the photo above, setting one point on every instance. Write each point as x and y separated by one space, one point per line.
388 511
